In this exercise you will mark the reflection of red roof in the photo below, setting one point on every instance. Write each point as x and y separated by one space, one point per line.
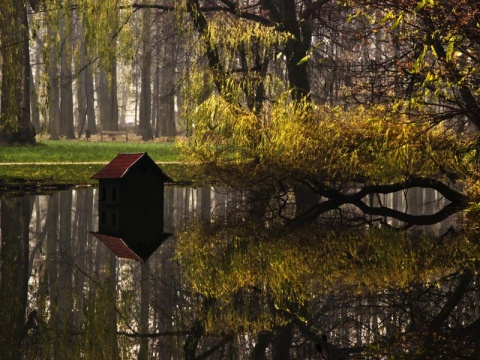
117 245
118 167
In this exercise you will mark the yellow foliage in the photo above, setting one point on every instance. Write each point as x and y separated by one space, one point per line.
265 267
328 142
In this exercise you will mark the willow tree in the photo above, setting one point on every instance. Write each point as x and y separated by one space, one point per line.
106 35
103 35
15 122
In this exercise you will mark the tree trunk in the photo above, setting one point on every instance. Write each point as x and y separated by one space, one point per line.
156 99
296 47
15 123
166 106
34 81
66 92
146 92
90 96
113 96
35 109
82 83
85 89
54 91
102 97
107 96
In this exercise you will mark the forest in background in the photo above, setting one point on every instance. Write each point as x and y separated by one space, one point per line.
98 65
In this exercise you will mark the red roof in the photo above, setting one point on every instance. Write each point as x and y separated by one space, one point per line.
118 167
117 245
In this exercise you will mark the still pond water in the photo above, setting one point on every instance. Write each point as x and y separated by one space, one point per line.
233 283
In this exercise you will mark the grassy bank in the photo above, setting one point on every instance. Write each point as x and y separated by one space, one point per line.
74 162
85 151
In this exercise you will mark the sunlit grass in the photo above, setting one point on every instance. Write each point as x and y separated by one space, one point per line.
80 174
50 174
85 151
74 162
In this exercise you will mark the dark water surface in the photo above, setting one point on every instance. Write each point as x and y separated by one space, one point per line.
241 283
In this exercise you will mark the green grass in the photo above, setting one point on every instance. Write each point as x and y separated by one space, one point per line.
85 151
50 174
54 161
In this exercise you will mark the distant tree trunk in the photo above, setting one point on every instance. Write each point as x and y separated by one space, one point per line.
163 107
85 99
156 87
66 92
81 98
54 90
34 100
90 94
15 220
135 77
15 122
102 97
113 96
166 108
34 108
107 96
145 128
122 115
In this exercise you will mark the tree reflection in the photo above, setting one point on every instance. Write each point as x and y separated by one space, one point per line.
252 275
14 251
305 283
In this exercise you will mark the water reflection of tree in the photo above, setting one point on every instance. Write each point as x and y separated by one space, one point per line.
373 290
14 251
72 284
